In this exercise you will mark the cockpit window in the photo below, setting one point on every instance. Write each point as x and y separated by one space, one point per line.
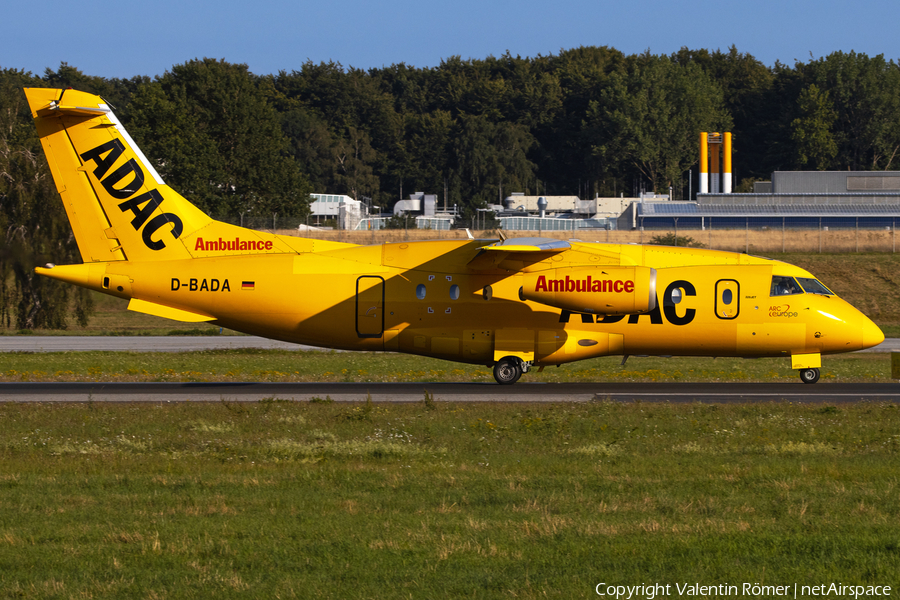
812 286
784 286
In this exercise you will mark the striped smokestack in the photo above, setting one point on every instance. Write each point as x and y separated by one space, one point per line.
726 170
704 162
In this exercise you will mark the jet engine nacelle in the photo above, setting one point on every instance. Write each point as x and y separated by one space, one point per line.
595 290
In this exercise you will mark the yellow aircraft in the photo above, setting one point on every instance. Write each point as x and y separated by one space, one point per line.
512 304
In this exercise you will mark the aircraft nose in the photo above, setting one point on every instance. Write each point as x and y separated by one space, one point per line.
871 334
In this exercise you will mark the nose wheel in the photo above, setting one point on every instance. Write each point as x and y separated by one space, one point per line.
809 375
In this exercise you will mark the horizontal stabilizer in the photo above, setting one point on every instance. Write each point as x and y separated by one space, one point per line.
167 312
55 109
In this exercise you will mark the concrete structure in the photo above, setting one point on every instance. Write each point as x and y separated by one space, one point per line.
351 213
692 215
848 188
525 222
344 209
420 208
555 204
798 199
419 203
438 222
327 205
561 213
836 182
605 207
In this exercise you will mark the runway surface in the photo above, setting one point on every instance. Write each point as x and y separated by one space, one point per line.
393 392
829 393
149 343
75 343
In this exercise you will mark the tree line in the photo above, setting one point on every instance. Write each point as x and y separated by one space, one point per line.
586 121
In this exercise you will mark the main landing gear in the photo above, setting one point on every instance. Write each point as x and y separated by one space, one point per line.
809 375
508 369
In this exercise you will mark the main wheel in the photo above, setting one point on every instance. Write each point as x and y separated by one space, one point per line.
809 375
507 370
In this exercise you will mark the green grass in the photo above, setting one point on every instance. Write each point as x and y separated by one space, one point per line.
283 365
301 500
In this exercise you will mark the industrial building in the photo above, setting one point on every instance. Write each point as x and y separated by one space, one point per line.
791 200
344 210
420 207
559 213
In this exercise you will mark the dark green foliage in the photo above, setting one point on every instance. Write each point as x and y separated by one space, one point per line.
863 114
33 226
812 130
649 118
490 161
670 239
750 98
216 137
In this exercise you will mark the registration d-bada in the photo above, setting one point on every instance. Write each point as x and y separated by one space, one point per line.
511 304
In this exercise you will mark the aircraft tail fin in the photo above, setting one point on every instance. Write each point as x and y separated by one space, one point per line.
118 205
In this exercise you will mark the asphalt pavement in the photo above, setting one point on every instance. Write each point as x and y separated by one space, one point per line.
149 343
831 393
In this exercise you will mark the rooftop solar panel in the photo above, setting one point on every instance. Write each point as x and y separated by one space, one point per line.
691 209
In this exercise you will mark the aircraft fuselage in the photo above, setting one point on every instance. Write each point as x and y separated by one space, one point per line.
421 298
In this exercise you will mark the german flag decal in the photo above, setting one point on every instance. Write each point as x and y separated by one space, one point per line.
248 285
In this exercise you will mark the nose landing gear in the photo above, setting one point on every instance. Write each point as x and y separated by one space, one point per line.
809 375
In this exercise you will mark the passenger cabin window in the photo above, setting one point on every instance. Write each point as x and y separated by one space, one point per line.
784 286
813 286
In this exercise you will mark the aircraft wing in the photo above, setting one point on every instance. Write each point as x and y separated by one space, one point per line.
514 253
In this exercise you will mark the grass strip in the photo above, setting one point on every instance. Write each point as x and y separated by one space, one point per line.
287 366
432 500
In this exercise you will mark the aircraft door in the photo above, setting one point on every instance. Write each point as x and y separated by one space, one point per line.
728 299
370 306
